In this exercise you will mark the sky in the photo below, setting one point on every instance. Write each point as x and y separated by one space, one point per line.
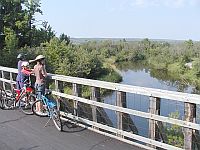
153 19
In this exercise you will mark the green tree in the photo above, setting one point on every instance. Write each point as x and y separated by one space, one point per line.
174 132
9 51
42 35
11 40
64 37
18 15
145 43
68 59
189 44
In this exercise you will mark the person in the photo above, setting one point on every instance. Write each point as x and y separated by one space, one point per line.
40 73
24 77
20 58
25 73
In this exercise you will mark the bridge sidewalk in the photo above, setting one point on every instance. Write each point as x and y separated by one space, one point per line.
22 132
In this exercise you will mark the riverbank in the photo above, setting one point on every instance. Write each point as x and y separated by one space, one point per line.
175 72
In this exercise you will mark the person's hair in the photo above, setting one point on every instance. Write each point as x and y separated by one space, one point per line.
40 61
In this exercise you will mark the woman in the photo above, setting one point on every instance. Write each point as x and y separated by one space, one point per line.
40 74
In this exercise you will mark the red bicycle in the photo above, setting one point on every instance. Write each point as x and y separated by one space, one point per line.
22 99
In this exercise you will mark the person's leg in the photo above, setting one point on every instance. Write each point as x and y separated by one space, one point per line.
18 88
21 85
18 85
37 96
38 91
40 88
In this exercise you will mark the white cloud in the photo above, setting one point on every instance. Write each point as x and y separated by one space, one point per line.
166 3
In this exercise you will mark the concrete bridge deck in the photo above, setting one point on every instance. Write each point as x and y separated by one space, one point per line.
22 132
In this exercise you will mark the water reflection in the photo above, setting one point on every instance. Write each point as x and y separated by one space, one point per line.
139 74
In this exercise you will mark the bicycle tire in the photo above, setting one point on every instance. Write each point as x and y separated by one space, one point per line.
9 99
55 114
2 98
43 110
25 103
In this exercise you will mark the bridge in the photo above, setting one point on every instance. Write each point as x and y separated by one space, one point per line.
95 129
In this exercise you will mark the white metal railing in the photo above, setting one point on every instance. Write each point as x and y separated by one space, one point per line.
119 133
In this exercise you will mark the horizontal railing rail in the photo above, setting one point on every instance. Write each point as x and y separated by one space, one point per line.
172 95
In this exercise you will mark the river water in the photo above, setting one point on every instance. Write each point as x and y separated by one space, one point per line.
138 74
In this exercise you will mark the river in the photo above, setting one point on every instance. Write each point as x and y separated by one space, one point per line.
138 74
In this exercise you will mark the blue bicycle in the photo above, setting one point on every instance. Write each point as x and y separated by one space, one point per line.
47 107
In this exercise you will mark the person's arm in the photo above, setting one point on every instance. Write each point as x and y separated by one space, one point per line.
27 72
19 66
33 71
43 71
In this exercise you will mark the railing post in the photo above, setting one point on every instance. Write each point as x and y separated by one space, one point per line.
190 115
95 97
76 92
11 79
2 74
58 88
154 109
121 102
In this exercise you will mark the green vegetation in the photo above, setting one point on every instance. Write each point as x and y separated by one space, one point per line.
174 132
21 32
19 28
169 57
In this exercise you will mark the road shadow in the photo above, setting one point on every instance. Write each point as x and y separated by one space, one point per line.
30 148
13 120
71 127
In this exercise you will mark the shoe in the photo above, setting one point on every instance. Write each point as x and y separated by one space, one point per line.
40 113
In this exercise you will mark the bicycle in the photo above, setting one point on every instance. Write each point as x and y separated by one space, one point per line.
47 107
20 98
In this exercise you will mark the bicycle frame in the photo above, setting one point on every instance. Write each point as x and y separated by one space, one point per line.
19 93
49 103
26 89
50 110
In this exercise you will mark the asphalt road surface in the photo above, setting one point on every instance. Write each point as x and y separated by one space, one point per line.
23 132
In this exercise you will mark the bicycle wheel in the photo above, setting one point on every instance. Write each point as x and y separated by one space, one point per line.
39 108
2 98
56 119
25 103
9 99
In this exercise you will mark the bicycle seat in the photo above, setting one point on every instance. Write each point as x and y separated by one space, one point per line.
29 89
